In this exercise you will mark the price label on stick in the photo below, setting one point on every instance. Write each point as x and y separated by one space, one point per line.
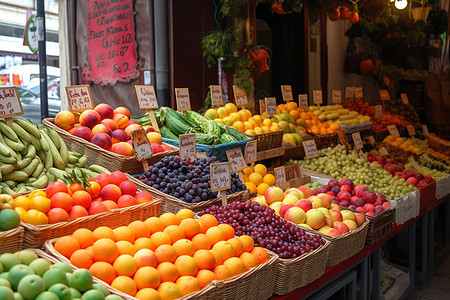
383 151
286 91
415 164
183 99
425 130
337 96
357 140
146 96
220 179
10 105
79 97
411 130
378 111
240 96
280 177
358 92
310 148
317 97
404 98
216 95
303 101
251 152
271 106
236 160
187 145
426 157
384 95
349 92
371 140
393 130
141 146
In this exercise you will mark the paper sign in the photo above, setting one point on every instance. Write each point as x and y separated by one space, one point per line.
240 96
251 151
79 97
262 106
310 148
146 96
141 145
349 92
383 151
286 91
337 96
378 111
404 98
411 130
236 159
280 177
303 101
384 95
342 138
201 154
317 97
216 95
359 92
425 130
183 100
220 176
426 157
187 145
393 130
271 106
357 140
10 105
371 140
415 164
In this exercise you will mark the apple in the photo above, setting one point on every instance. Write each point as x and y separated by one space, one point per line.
348 215
359 186
351 224
341 182
284 208
346 188
330 193
316 201
379 209
360 192
353 199
333 183
360 219
340 227
386 204
412 180
295 215
370 213
315 218
335 190
325 211
344 195
360 202
352 207
304 204
295 192
328 221
344 203
361 210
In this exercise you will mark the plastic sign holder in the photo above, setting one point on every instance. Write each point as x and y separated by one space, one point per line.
310 148
187 146
415 164
280 177
251 150
317 97
425 130
262 106
237 161
404 98
141 146
393 130
79 97
286 92
271 106
411 130
10 105
240 96
371 140
183 99
384 95
303 101
220 179
357 141
358 92
337 96
378 111
349 92
216 95
147 100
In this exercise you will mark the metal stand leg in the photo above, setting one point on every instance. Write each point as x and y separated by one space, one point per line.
421 277
412 254
348 279
430 247
364 279
376 262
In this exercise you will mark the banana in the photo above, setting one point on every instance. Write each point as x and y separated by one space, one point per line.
16 176
6 169
57 159
20 132
7 159
10 183
31 167
44 144
35 143
7 131
29 127
38 170
64 152
6 189
22 163
42 155
31 151
72 159
48 160
41 182
57 172
54 137
99 169
4 150
13 153
31 180
15 145
90 173
75 154
82 161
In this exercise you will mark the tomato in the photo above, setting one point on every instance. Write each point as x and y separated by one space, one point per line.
354 17
334 14
345 13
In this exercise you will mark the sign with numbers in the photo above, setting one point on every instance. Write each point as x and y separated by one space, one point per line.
183 99
216 95
357 140
240 96
280 176
337 96
146 96
10 104
303 101
317 97
236 159
220 176
378 111
425 130
141 145
79 97
187 145
251 152
393 130
286 91
310 148
371 140
271 106
404 98
411 130
349 92
384 95
359 92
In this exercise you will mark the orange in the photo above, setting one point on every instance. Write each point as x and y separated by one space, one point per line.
125 265
269 179
261 254
222 272
250 186
166 253
148 294
40 203
146 257
204 259
235 265
249 260
243 115
206 221
66 246
103 271
22 201
124 233
205 277
160 238
22 213
84 236
35 217
224 249
201 241
261 188
126 247
143 243
261 169
169 219
295 114
168 290
76 186
211 114
154 225
184 247
191 227
82 198
247 242
167 271
215 234
187 285
36 193
184 214
147 277
175 233
104 232
291 106
125 285
228 230
218 257
238 246
186 265
154 137
239 125
105 250
255 178
140 229
81 259
89 249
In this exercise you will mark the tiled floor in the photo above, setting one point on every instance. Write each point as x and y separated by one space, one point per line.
439 288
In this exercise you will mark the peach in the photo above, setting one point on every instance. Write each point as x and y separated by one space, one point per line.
284 208
119 135
274 194
133 121
315 218
324 229
123 148
118 177
111 192
360 219
335 206
341 227
290 199
146 257
348 215
65 120
122 110
121 120
101 128
132 127
110 204
335 215
102 140
332 232
105 111
126 200
148 128
316 201
328 221
97 207
143 197
325 211
304 204
261 200
83 132
78 211
351 224
90 118
295 192
306 191
110 123
326 199
128 188
295 215
156 148
104 179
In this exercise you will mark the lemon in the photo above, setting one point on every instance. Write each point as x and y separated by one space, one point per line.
251 186
261 169
269 179
247 171
261 188
255 178
258 130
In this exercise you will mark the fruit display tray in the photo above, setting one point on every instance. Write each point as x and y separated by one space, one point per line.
406 207
11 240
357 127
325 140
97 155
427 196
266 141
442 187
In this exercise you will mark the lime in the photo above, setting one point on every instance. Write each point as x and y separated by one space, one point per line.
62 291
54 276
17 273
63 267
8 260
9 219
40 266
100 287
6 293
82 280
30 286
47 295
93 295
27 256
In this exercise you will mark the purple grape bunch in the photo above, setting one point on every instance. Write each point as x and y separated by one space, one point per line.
186 179
266 228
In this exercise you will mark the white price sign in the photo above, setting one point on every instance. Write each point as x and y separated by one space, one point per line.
280 177
183 99
141 145
371 140
187 145
271 106
286 91
220 176
251 151
349 92
357 140
310 148
303 101
411 130
317 96
240 96
146 96
216 95
404 98
384 95
79 97
393 130
425 130
236 159
337 96
378 111
359 92
10 105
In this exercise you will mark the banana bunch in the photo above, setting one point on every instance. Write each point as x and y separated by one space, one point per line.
32 156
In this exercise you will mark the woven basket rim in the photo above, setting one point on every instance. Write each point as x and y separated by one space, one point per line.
333 239
8 233
305 255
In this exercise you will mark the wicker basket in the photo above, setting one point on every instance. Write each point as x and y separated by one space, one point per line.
296 152
325 140
268 141
11 240
97 155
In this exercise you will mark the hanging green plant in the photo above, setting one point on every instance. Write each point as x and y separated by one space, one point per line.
230 8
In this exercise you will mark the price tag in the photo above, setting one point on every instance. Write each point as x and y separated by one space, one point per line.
187 146
10 104
371 140
146 96
357 140
337 96
79 97
303 101
411 130
286 91
271 106
220 179
404 98
240 96
383 151
342 138
359 92
378 111
280 177
415 164
384 95
393 130
426 157
201 154
141 146
349 92
425 130
310 148
317 97
408 207
183 100
236 159
216 95
251 152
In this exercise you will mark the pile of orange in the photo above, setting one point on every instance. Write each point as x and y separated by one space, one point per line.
166 257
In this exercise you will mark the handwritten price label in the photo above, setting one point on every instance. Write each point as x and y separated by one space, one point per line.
425 130
317 97
10 104
236 159
384 95
303 101
187 145
280 177
337 96
415 164
411 130
141 145
80 97
383 151
220 176
378 111
426 157
371 140
357 140
146 96
240 96
183 99
286 91
404 98
310 148
216 95
271 106
393 130
349 92
251 151
359 92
